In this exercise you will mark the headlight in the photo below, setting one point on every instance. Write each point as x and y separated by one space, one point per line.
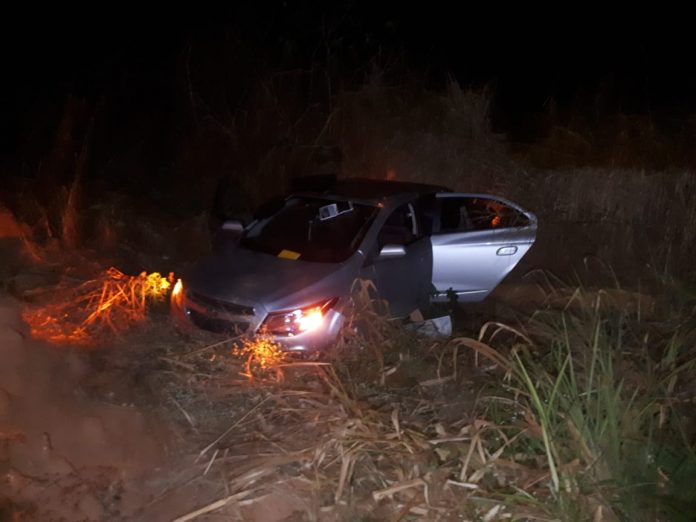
300 320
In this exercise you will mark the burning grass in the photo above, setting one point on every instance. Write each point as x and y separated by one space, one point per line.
110 303
261 353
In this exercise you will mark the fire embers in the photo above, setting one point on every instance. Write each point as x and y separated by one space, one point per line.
262 354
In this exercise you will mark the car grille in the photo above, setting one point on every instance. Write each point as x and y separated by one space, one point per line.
223 306
216 325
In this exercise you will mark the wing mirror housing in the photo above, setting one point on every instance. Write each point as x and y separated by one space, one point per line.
228 234
392 252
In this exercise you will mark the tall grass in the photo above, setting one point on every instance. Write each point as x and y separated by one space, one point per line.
604 389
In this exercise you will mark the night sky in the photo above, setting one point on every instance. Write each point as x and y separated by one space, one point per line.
637 66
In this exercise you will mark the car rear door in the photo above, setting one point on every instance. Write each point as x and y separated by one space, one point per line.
477 240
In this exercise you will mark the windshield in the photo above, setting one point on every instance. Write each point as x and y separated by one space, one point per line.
312 229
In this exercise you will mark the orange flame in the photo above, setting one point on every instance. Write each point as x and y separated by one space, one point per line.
261 352
178 288
111 303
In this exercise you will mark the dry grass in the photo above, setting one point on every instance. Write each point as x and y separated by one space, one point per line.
433 137
483 433
338 435
391 454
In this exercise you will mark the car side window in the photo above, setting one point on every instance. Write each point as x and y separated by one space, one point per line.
478 213
426 207
401 227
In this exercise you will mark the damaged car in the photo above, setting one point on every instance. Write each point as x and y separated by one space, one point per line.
290 271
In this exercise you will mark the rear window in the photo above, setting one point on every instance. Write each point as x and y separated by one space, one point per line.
312 229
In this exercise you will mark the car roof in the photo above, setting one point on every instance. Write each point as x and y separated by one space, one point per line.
374 189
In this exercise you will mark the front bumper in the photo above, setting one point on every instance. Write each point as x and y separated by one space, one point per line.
192 315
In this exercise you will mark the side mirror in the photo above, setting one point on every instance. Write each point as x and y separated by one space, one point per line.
228 234
392 252
232 226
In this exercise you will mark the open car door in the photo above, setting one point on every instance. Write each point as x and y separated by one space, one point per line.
477 240
402 276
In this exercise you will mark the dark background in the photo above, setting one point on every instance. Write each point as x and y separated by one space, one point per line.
582 58
132 68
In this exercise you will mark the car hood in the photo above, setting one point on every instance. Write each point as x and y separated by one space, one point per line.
247 277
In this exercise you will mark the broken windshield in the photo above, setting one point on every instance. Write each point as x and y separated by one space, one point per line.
312 229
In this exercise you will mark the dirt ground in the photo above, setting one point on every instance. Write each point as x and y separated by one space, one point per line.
66 453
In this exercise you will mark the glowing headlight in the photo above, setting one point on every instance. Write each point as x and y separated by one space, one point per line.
298 321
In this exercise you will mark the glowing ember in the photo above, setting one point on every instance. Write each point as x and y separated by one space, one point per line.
261 352
111 303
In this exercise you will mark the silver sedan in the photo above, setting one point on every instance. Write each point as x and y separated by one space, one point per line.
290 271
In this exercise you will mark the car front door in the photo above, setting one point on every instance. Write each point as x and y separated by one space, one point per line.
477 240
402 280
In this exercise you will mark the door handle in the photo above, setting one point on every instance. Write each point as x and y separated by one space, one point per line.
506 251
